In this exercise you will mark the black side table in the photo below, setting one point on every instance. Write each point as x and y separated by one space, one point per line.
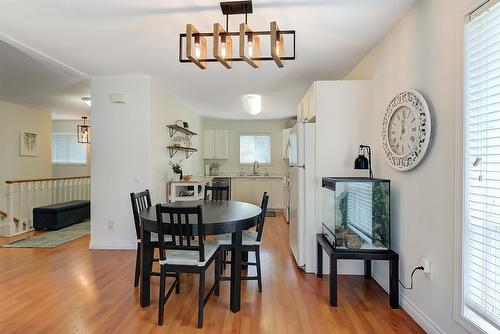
367 256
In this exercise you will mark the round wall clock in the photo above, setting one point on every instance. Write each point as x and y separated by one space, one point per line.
406 130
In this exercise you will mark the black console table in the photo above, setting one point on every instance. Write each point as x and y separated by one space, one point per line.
367 256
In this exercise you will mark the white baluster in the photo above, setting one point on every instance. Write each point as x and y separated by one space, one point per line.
9 227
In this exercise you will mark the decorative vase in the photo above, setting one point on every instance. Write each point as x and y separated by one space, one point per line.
177 176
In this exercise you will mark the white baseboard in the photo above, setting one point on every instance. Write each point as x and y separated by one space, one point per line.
413 311
126 245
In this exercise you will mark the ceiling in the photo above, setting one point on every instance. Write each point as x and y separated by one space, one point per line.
29 79
111 37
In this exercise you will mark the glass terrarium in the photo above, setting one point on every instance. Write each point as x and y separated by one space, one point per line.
357 213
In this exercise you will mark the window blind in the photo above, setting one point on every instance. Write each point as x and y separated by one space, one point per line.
359 208
481 251
255 148
67 150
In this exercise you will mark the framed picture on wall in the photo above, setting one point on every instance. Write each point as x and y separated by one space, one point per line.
28 144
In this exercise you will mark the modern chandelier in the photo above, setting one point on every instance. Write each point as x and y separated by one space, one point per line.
248 42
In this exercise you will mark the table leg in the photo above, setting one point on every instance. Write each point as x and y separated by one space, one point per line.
146 266
235 293
319 272
333 280
368 268
394 282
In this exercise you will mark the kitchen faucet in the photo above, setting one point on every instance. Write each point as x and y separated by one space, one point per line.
255 170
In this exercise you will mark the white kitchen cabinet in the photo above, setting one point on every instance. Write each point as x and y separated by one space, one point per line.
242 190
215 145
285 135
306 110
259 187
251 189
277 194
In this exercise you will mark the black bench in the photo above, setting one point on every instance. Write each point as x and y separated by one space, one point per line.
56 216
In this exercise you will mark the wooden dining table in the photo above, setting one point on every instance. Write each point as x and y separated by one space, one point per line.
219 217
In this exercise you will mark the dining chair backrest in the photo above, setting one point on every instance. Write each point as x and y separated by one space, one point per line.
219 193
262 216
177 225
140 201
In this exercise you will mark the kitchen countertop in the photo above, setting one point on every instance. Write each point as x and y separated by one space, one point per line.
261 176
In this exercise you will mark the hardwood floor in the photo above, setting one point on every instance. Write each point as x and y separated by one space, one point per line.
71 289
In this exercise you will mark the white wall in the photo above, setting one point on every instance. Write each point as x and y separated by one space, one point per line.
232 165
129 152
13 120
120 157
340 110
166 109
422 52
58 170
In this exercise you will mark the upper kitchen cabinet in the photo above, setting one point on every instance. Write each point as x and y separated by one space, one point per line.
285 136
215 144
306 110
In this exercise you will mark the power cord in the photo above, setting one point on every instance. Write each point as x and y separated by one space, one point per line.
411 278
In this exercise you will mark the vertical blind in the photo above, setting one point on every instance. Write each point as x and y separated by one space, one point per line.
481 252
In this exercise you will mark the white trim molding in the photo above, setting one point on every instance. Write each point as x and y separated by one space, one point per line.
413 311
118 245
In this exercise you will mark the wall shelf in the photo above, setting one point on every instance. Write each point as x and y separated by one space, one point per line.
173 129
187 150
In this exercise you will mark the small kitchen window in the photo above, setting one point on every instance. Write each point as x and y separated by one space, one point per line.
255 148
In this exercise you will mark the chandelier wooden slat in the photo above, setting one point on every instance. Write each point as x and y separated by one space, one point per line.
248 46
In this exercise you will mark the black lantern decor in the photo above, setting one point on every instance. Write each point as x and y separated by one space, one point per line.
83 132
361 161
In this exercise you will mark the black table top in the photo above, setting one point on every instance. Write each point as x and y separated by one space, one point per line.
218 216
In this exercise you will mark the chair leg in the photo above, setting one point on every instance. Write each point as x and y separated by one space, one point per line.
161 298
178 285
218 260
259 275
137 267
225 257
201 296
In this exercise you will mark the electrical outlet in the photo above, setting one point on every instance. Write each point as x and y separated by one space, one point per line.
426 263
111 224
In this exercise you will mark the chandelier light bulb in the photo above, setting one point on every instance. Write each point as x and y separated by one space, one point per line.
250 48
197 50
278 48
223 49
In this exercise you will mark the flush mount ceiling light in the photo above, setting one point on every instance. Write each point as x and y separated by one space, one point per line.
87 100
252 103
194 43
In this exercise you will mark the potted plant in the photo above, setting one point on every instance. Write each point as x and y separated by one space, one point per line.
177 169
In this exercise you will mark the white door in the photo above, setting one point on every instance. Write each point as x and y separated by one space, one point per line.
243 190
208 144
220 143
259 187
296 229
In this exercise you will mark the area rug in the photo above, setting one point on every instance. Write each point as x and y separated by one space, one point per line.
270 214
53 238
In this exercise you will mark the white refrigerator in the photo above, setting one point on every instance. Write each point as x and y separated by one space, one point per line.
301 169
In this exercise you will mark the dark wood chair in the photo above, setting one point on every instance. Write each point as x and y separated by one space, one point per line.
251 243
140 201
219 193
184 255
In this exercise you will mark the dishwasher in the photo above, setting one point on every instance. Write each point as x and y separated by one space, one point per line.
222 182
